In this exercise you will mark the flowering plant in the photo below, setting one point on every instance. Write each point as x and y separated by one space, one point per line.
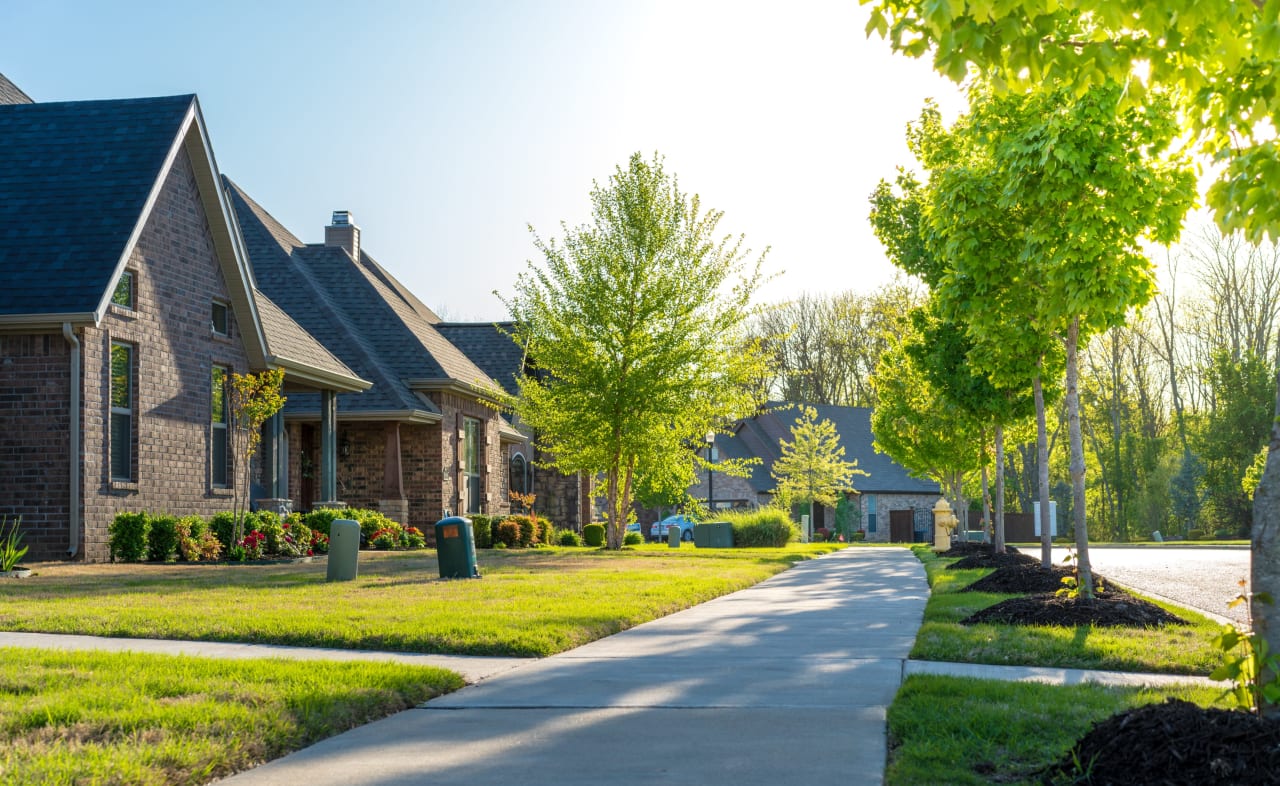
319 543
385 538
412 538
253 545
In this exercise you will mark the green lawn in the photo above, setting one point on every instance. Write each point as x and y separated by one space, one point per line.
114 718
947 730
1174 650
530 602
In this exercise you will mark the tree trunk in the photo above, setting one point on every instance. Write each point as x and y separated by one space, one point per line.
1077 461
999 528
616 523
1042 473
1265 561
986 495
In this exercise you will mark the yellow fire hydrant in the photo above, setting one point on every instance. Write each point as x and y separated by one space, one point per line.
943 522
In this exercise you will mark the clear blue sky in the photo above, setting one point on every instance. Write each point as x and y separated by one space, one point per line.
447 128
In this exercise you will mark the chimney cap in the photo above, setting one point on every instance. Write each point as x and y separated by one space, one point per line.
342 218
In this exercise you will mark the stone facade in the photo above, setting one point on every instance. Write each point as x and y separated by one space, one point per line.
921 506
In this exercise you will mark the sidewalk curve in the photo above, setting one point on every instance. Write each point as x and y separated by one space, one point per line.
784 682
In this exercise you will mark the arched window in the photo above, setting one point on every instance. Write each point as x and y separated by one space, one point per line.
518 479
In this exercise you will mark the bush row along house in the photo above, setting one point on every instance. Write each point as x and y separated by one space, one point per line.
135 278
890 504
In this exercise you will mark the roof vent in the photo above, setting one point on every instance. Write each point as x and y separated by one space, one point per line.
342 218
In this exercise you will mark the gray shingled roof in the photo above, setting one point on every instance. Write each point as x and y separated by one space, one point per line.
287 341
357 310
490 346
760 435
11 93
74 178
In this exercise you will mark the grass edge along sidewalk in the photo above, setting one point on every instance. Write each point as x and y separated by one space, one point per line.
957 730
105 717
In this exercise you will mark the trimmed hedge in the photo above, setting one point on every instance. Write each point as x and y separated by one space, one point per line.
223 526
162 538
632 539
129 537
763 528
507 533
593 535
482 530
568 537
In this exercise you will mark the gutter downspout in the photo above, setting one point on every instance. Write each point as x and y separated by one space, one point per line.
74 434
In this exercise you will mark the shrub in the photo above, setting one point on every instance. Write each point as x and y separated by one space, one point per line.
371 522
593 535
162 538
1223 534
859 535
195 541
267 524
320 520
632 539
254 545
821 535
385 539
319 542
412 538
507 533
223 526
128 537
298 536
482 531
568 537
1195 534
497 544
528 530
763 528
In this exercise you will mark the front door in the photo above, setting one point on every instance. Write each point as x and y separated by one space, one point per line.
901 526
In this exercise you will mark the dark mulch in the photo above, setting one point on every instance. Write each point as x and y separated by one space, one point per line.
1113 608
990 560
962 548
1022 578
1172 744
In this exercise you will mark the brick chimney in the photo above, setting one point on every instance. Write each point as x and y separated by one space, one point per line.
343 233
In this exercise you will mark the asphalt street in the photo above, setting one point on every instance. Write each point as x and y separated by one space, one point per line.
1204 578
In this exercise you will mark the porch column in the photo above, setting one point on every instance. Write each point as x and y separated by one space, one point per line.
275 467
393 503
328 446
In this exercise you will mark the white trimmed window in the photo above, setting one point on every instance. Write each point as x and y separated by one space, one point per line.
121 411
221 326
218 431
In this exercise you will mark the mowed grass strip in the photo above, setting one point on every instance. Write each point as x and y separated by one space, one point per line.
529 602
949 730
126 718
1171 650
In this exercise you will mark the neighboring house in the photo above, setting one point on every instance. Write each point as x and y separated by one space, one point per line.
126 300
891 504
427 439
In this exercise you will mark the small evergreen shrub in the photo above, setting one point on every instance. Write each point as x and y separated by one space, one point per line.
859 535
593 535
528 530
1223 534
482 531
320 520
128 537
763 528
568 537
223 526
632 539
162 538
1195 534
371 522
507 533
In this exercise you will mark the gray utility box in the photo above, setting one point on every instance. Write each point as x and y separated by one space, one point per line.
456 548
714 535
673 536
344 550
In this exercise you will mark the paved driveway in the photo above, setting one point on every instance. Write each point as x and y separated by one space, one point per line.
1204 578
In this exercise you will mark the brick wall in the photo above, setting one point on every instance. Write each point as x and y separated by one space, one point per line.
177 277
888 502
34 440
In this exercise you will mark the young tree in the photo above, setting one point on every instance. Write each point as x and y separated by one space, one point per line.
635 327
1212 53
251 400
812 466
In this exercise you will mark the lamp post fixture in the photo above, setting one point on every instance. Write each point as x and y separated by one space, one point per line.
711 457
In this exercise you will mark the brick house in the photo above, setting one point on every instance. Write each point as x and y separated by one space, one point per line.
126 299
426 440
891 504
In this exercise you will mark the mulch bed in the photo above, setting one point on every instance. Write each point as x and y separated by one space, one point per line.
1113 608
1172 744
1022 577
962 548
988 559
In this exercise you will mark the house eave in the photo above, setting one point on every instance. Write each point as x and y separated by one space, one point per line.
28 322
416 416
321 379
445 385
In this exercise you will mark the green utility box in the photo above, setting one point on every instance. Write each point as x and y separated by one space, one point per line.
344 550
714 535
456 549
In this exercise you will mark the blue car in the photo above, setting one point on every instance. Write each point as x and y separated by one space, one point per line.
659 531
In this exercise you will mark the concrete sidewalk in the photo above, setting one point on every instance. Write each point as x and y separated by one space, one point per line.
785 682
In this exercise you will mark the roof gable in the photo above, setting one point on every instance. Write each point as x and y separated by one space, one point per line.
11 93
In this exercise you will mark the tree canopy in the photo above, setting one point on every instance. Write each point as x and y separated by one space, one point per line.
635 328
812 467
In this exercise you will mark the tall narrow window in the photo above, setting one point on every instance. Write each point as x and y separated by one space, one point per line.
218 428
121 412
519 480
123 296
220 319
871 513
471 457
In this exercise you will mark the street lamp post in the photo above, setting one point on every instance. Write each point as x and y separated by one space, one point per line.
711 457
